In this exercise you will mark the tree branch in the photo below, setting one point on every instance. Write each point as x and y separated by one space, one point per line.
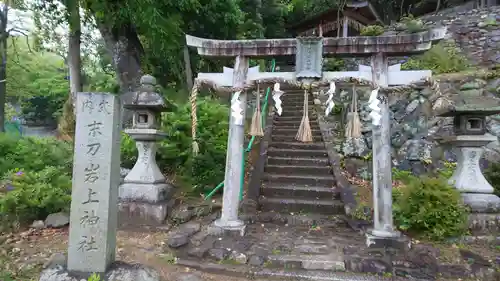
25 36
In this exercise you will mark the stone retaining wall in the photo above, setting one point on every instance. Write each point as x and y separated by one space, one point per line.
475 31
413 125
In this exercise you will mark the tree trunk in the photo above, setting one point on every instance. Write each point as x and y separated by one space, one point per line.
74 60
66 124
126 50
3 67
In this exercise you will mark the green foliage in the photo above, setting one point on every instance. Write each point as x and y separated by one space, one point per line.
402 175
33 195
448 169
94 277
34 154
492 174
429 206
441 58
372 30
333 64
410 25
36 177
175 153
10 112
38 79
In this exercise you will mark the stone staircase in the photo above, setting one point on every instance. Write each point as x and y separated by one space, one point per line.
297 176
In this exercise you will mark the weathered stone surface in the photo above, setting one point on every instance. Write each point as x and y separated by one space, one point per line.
118 272
181 235
189 277
198 252
256 260
420 262
218 254
473 258
177 240
57 220
38 224
454 270
238 257
414 129
96 176
329 248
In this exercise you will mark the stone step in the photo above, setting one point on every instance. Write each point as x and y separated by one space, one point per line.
291 138
290 205
296 118
294 95
305 180
296 100
292 131
304 192
296 111
298 170
333 261
314 127
304 153
297 106
302 161
295 124
298 145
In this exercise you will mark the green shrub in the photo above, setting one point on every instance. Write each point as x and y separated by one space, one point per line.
10 112
441 58
175 156
43 109
447 170
492 174
333 64
372 30
429 206
34 154
31 195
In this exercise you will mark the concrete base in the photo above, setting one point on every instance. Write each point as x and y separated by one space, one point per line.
142 213
119 271
482 203
153 193
221 228
399 242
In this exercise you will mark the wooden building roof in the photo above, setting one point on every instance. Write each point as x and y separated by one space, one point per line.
360 11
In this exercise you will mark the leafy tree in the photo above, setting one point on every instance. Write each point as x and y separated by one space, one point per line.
38 78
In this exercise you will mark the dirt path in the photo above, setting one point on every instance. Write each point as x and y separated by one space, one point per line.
23 255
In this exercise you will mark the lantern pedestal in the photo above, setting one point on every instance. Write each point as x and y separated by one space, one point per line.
476 191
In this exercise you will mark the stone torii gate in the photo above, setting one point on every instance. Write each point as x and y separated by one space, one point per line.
309 52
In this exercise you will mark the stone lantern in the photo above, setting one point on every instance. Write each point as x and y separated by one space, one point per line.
144 193
469 136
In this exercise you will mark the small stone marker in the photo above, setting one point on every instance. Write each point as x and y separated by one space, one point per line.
96 176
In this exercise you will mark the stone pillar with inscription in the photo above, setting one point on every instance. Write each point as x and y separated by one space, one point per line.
144 193
93 216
